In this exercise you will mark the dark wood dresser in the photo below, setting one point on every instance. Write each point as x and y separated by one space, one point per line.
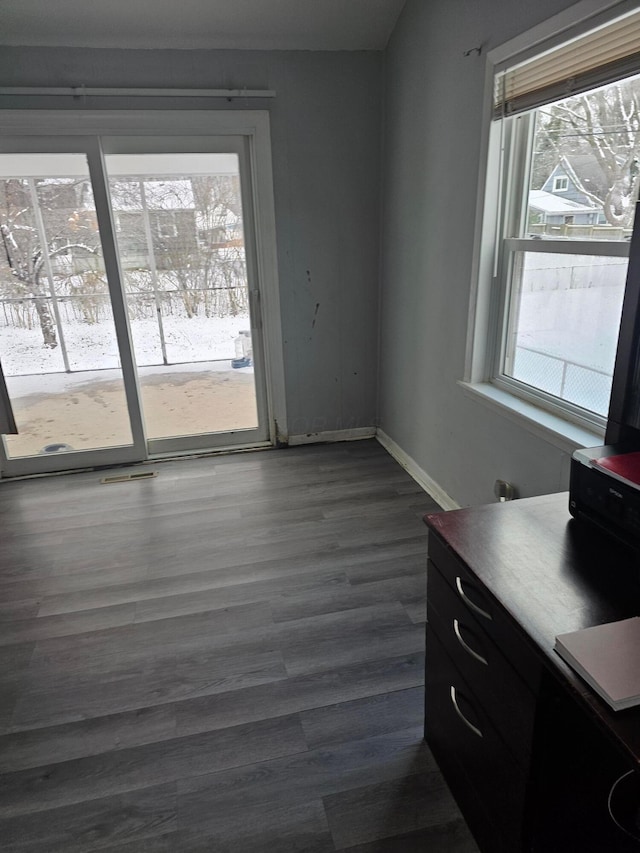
530 752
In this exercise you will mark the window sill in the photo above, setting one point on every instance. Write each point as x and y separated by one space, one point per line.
560 433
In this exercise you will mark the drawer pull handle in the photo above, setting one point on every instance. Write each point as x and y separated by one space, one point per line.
454 701
468 601
466 646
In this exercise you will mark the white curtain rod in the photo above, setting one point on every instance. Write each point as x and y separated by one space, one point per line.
82 91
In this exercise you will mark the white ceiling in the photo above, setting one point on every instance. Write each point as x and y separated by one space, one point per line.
248 24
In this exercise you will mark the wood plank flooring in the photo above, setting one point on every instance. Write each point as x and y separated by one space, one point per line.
227 658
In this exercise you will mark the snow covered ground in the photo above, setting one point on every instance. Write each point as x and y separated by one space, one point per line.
94 346
568 318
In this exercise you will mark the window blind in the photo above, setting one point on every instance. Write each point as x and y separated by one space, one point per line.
593 59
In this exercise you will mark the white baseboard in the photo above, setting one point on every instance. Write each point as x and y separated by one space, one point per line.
332 435
421 477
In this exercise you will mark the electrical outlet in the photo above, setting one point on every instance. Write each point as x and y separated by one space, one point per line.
504 491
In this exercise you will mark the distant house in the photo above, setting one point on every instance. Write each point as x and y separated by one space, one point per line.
578 178
547 208
162 211
167 223
567 203
166 213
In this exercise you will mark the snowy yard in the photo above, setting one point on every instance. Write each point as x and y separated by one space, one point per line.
86 408
93 346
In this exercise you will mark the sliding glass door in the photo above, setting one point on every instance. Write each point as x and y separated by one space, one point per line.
180 227
130 320
59 345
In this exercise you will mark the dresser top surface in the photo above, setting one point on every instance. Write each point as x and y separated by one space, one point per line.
551 574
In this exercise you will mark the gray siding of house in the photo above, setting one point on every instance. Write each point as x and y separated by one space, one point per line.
577 219
325 126
572 193
433 120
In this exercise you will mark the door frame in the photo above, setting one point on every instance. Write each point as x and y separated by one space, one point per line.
70 131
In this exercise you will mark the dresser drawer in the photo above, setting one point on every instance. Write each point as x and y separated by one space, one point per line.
494 683
487 612
487 783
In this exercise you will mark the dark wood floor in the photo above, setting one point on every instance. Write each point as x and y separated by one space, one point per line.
226 658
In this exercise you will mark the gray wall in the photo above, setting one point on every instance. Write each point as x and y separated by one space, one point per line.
326 131
326 123
431 159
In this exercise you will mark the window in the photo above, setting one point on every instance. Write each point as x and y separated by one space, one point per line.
166 227
569 175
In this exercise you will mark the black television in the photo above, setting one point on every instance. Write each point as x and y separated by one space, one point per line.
623 421
596 496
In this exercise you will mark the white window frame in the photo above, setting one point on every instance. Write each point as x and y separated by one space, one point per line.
560 184
560 423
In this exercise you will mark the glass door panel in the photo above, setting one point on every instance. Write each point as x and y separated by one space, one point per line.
58 345
179 225
129 320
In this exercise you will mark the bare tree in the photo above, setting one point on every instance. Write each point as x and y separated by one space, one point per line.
187 232
606 123
27 245
180 243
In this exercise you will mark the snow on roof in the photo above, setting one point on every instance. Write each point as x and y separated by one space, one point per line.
550 203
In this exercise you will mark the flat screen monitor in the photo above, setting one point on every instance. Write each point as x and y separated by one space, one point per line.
623 423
